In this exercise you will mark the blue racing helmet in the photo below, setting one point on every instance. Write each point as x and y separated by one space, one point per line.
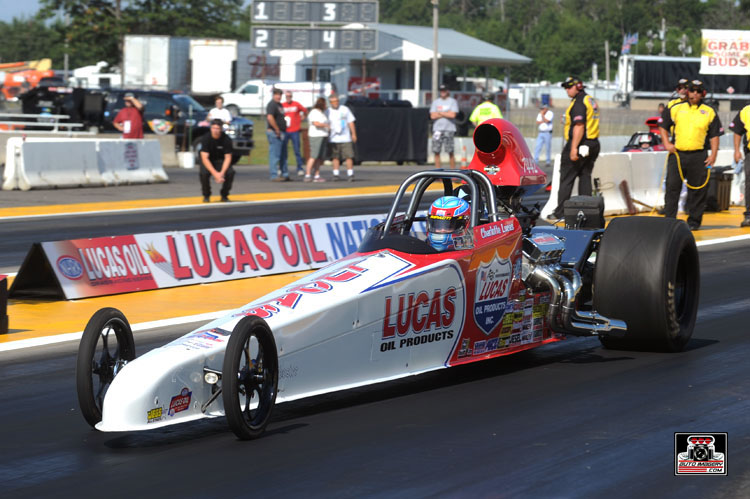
448 216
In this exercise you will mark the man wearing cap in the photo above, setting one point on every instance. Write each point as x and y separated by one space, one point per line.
485 111
739 126
443 113
544 137
694 122
130 118
581 129
682 90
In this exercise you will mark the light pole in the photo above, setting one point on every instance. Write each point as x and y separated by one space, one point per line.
434 49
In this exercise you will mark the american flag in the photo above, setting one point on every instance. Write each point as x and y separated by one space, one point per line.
627 41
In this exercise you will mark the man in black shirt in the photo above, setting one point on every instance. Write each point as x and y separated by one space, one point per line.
275 130
215 154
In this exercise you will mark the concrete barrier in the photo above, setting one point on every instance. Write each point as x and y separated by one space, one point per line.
644 172
130 161
37 163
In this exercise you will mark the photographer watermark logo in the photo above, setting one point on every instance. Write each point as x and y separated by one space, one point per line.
700 453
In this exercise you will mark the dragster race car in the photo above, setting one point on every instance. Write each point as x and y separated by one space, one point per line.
398 307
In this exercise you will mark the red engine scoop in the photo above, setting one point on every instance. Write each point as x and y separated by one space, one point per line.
502 154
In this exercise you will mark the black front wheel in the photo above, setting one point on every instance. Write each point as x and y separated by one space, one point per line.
106 346
250 377
648 274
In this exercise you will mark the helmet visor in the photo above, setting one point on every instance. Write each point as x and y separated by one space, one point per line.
445 225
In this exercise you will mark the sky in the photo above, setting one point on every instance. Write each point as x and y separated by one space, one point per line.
15 8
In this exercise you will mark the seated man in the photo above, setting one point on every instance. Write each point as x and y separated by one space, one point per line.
448 217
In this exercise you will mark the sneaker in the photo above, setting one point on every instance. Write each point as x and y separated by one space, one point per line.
300 173
694 226
746 221
225 199
350 177
319 179
336 178
277 179
206 199
308 178
286 179
552 216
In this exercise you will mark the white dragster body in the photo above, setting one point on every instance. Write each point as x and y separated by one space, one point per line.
329 328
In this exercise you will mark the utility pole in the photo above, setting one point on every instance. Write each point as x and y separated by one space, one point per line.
434 49
606 59
663 36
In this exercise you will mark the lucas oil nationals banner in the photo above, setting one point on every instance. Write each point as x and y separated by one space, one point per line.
110 265
725 52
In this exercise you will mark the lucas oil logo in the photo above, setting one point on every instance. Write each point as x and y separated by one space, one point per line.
493 286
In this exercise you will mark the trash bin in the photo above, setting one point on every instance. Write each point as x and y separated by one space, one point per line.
719 188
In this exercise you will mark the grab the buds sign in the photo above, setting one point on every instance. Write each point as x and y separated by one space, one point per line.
110 265
725 52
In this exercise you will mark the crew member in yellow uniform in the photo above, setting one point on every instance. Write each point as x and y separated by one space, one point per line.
485 111
739 126
693 122
581 129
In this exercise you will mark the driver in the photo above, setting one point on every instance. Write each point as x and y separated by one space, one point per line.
448 217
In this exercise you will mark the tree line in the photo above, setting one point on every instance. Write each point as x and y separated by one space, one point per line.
560 36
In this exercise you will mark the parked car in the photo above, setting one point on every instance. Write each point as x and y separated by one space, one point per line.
164 112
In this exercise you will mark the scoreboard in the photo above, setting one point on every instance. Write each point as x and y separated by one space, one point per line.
282 14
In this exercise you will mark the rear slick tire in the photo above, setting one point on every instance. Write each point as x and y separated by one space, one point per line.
251 366
99 360
648 275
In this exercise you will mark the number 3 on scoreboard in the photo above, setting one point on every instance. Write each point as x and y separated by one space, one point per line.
329 37
330 13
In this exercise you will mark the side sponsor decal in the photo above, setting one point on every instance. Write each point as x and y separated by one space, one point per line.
418 318
491 293
180 402
291 297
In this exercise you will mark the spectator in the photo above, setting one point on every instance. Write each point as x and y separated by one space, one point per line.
660 109
130 118
275 132
342 138
294 113
544 137
443 113
485 111
317 132
219 112
215 152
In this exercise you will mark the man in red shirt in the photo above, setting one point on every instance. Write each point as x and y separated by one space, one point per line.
130 118
294 113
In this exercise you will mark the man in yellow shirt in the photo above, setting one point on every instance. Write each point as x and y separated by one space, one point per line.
693 123
739 126
581 130
485 111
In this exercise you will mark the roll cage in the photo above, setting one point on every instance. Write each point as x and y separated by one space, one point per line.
394 232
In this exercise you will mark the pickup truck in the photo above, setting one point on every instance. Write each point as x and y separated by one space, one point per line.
251 97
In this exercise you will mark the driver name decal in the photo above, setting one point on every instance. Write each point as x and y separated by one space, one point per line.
492 289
